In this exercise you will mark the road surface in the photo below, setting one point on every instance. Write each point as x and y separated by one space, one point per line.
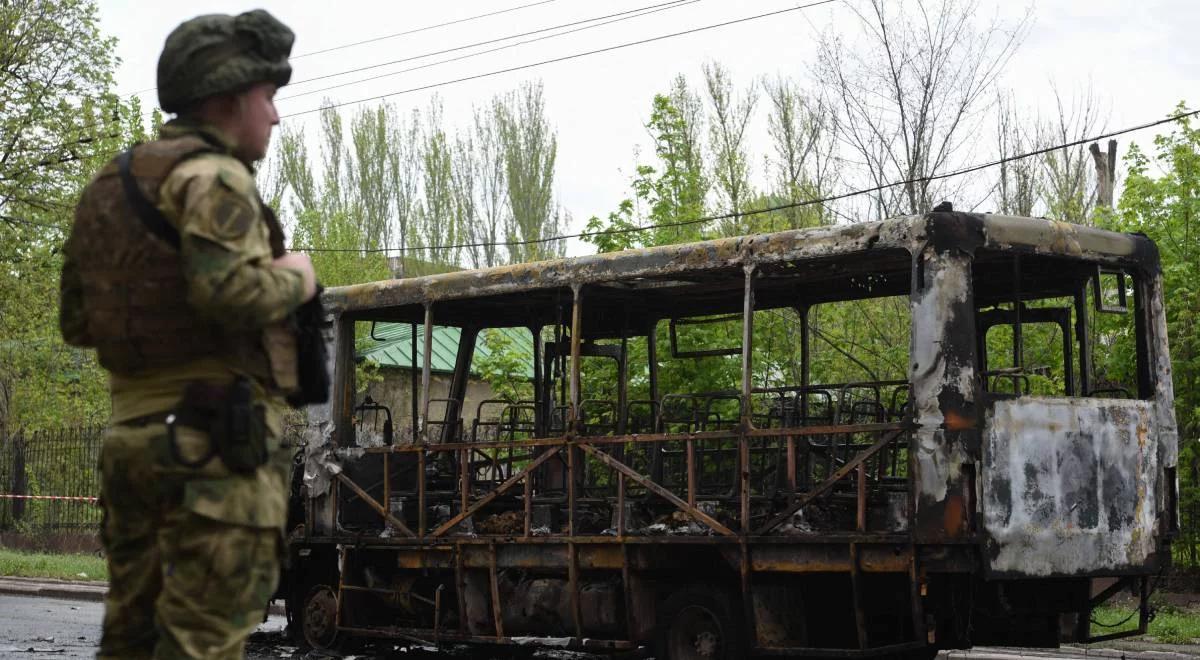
53 627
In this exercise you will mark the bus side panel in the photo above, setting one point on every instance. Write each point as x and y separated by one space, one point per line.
1069 486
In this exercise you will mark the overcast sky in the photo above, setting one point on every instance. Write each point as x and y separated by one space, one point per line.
1141 57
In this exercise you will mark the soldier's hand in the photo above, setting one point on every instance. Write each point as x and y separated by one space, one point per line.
301 263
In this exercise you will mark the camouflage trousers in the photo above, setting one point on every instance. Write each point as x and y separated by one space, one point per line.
193 551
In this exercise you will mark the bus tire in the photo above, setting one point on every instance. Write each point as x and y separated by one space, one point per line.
318 618
699 623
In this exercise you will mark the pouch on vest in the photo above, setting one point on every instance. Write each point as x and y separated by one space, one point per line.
236 427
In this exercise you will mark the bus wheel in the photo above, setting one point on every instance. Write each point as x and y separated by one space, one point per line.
698 624
320 618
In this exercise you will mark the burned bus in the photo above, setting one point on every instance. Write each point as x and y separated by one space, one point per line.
994 487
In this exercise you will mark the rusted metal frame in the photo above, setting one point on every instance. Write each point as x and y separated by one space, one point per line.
620 505
1144 605
499 490
574 424
437 612
653 487
421 515
1018 336
845 470
416 387
527 507
460 587
654 458
744 482
390 592
337 609
374 504
1143 612
914 596
451 421
860 519
574 417
856 595
464 479
691 472
622 423
494 588
540 420
559 441
1109 592
746 422
1145 330
745 572
426 371
343 404
627 590
1081 337
573 586
821 539
572 469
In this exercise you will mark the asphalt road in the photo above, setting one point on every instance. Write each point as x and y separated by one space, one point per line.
52 628
39 627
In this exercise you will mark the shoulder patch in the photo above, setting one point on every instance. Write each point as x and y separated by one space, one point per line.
233 215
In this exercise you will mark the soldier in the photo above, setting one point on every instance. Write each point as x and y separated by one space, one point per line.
175 272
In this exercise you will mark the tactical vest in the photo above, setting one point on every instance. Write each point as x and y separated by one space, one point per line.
134 291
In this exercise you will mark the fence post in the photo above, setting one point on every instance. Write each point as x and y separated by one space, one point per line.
19 481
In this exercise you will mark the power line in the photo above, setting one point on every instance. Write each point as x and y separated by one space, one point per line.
619 16
422 29
568 57
564 58
394 35
777 207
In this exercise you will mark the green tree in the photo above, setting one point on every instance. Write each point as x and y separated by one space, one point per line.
670 191
1162 199
59 122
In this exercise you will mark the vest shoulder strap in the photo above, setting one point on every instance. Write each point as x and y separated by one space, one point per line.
150 216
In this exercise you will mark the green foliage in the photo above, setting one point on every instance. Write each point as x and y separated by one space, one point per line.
61 122
1162 200
503 367
336 231
1171 625
15 563
671 193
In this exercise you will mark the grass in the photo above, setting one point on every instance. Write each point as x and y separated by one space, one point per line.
14 563
1171 625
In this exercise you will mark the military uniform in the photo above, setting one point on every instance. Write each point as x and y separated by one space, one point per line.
193 545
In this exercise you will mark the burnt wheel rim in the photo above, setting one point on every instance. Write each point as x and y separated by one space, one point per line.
320 617
696 634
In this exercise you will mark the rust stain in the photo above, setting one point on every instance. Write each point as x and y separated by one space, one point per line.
956 422
953 520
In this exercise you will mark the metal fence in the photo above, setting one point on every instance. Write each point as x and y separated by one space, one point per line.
49 480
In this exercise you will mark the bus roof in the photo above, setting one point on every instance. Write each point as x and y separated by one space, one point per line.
890 244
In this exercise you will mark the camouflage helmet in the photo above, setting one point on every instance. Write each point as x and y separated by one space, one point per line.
219 54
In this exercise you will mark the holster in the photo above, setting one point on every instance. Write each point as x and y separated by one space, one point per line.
236 427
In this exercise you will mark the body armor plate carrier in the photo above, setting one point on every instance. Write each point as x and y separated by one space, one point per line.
134 292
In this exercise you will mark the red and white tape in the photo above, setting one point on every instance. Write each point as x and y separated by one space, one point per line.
49 497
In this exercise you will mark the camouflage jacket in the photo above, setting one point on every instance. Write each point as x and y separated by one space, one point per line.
226 256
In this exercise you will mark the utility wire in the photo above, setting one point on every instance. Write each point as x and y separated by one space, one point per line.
421 29
777 207
620 16
564 58
392 36
655 7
